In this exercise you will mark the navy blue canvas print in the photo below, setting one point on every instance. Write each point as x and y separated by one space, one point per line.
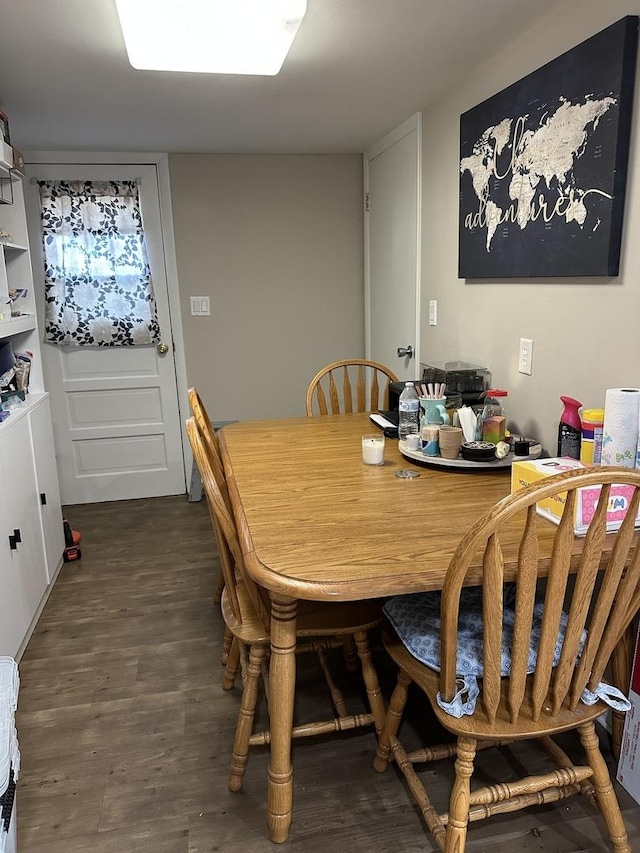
543 165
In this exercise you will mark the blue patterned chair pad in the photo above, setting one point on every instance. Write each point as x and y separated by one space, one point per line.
416 620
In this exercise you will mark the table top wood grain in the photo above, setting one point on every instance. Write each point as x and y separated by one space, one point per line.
317 523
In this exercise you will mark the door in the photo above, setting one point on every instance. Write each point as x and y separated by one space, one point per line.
115 410
392 249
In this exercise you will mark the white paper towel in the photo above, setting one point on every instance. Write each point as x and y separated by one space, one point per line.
620 429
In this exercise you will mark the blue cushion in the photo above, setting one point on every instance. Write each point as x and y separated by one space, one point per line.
416 619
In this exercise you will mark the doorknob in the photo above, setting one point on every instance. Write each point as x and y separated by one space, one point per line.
405 352
163 348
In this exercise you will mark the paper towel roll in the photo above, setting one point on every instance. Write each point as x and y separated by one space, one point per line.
620 430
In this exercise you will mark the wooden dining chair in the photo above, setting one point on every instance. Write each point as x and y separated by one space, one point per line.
246 611
535 657
352 385
230 653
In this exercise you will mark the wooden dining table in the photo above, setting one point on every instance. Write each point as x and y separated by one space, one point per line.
316 523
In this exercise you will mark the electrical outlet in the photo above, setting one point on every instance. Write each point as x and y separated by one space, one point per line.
525 357
433 312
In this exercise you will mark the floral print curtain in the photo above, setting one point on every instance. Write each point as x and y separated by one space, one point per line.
98 288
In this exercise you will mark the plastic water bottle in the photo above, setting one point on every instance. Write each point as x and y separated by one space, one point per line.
409 411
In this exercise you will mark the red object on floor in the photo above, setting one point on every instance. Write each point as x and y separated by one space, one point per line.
71 539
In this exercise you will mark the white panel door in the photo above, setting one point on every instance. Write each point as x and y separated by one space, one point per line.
115 411
392 249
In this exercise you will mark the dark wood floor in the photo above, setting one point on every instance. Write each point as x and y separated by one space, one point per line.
125 732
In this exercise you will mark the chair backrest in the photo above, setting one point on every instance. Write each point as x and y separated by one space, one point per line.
352 385
209 438
602 600
223 522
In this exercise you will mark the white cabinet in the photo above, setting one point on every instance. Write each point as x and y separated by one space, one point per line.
44 456
31 533
12 625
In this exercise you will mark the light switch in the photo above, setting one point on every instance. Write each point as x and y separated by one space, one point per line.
200 306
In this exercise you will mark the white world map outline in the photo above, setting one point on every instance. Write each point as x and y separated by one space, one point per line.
547 153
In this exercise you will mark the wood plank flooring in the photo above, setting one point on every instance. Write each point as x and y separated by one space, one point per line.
125 731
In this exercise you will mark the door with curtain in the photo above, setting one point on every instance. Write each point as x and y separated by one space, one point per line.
392 249
115 408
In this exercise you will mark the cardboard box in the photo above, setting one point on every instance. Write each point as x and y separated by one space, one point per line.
18 162
526 472
629 763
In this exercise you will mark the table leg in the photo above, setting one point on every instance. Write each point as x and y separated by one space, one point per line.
621 661
282 680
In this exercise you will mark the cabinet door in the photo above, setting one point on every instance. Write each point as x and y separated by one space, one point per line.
47 483
22 513
13 623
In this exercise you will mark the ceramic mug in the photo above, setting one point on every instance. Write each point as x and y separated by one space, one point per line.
434 411
430 444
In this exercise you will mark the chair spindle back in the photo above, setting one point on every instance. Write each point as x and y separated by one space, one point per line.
232 559
352 385
604 610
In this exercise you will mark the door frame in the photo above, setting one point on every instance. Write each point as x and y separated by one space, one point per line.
161 162
412 124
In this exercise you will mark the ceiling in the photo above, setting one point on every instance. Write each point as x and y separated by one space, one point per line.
356 70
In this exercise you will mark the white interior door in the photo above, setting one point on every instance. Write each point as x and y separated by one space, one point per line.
392 248
115 411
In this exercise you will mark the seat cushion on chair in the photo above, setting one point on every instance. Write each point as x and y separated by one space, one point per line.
416 619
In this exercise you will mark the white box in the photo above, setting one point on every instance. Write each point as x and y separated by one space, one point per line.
629 764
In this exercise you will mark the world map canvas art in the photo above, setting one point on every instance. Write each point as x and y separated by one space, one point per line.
543 165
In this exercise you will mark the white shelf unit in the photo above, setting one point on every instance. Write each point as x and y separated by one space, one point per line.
16 272
29 490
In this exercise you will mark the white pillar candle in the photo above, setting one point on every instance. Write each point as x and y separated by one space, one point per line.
373 449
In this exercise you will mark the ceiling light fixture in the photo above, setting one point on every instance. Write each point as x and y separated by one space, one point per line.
210 36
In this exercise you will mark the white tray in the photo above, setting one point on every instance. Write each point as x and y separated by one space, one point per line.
535 450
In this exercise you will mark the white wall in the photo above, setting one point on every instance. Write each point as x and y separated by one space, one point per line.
585 330
276 242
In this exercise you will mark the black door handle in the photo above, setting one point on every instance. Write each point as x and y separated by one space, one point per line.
16 534
43 498
12 543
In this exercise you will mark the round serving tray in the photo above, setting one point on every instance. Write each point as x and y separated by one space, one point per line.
535 450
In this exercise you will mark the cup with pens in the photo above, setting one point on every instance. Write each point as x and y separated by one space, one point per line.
433 405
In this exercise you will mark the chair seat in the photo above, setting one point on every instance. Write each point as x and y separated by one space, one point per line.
315 618
478 725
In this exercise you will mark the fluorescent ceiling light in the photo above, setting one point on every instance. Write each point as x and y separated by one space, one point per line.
210 36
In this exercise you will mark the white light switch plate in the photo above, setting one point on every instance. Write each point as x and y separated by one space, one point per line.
200 306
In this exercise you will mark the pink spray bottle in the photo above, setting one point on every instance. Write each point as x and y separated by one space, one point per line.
570 429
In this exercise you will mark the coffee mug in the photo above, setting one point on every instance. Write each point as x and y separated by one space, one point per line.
434 411
430 444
